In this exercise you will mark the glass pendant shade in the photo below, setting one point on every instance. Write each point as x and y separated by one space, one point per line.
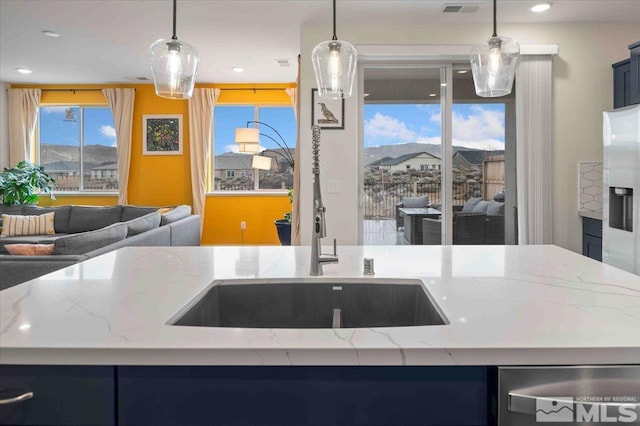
334 63
174 65
494 63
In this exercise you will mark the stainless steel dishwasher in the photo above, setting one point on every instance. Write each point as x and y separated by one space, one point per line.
579 395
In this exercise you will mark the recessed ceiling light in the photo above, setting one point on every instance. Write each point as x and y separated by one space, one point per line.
541 6
463 71
366 94
433 95
50 33
237 69
24 70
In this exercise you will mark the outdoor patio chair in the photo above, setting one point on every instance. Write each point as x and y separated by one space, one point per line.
410 202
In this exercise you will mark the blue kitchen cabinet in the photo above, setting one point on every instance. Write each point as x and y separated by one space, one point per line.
626 79
592 238
306 396
62 395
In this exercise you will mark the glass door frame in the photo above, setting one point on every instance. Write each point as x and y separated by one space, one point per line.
446 135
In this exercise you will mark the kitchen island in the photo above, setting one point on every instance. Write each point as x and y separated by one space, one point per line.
506 305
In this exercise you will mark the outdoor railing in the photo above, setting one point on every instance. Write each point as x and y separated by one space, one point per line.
380 199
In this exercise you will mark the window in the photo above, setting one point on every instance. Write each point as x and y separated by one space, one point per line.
233 170
77 146
424 167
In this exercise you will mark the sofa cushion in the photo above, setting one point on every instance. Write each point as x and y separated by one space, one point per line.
132 212
481 207
87 241
415 202
30 249
180 212
27 225
495 208
142 224
28 239
90 218
470 204
61 217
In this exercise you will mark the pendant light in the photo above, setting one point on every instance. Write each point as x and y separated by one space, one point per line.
494 64
334 63
174 65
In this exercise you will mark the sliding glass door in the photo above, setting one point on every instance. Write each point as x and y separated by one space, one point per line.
437 160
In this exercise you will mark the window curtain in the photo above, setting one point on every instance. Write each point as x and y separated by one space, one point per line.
295 208
534 144
23 117
121 102
201 106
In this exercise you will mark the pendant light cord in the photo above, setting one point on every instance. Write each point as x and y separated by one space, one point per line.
175 8
495 26
334 21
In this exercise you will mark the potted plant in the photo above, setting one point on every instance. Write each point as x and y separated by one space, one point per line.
23 184
283 226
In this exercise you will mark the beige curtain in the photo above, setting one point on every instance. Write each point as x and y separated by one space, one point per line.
295 217
23 116
534 145
201 106
121 103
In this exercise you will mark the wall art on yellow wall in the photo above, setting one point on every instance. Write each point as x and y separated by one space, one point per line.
162 134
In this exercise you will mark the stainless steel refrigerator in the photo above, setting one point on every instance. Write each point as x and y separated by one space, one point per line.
621 189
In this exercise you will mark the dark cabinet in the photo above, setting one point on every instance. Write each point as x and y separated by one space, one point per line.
626 79
592 238
634 85
306 395
62 395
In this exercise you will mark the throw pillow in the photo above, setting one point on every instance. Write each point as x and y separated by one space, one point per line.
30 249
495 208
13 226
481 207
470 204
164 210
415 202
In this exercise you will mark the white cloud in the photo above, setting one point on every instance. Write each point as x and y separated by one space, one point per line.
426 139
54 109
481 124
110 132
384 126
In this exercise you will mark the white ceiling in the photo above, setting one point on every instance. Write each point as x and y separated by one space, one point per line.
106 41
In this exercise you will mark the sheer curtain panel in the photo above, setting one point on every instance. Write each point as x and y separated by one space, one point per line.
121 102
201 110
23 117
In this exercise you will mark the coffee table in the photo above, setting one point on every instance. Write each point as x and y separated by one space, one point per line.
413 222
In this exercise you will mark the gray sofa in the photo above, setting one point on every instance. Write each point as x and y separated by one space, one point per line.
478 222
83 232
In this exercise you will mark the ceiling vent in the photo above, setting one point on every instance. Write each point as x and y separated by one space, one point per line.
460 8
283 62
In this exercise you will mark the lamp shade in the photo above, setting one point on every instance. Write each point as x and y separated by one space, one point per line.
494 63
261 162
174 66
247 135
249 148
334 63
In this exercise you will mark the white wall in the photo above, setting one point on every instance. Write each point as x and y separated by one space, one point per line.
582 91
4 127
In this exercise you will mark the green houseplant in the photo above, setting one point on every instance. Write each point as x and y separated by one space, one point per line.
23 184
283 226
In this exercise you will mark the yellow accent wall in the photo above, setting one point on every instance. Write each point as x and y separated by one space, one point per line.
166 180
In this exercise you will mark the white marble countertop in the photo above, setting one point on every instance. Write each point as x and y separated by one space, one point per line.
593 214
530 305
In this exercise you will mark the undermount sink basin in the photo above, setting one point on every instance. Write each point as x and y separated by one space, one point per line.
324 303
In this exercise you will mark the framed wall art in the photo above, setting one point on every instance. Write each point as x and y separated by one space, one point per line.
162 134
326 113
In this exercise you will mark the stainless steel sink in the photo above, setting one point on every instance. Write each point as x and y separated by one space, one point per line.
299 303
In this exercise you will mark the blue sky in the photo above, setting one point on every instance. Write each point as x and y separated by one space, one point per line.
98 126
474 125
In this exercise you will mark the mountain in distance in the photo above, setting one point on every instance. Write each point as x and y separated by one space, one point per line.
67 157
375 153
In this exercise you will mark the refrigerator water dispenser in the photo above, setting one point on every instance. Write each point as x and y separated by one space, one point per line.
621 208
